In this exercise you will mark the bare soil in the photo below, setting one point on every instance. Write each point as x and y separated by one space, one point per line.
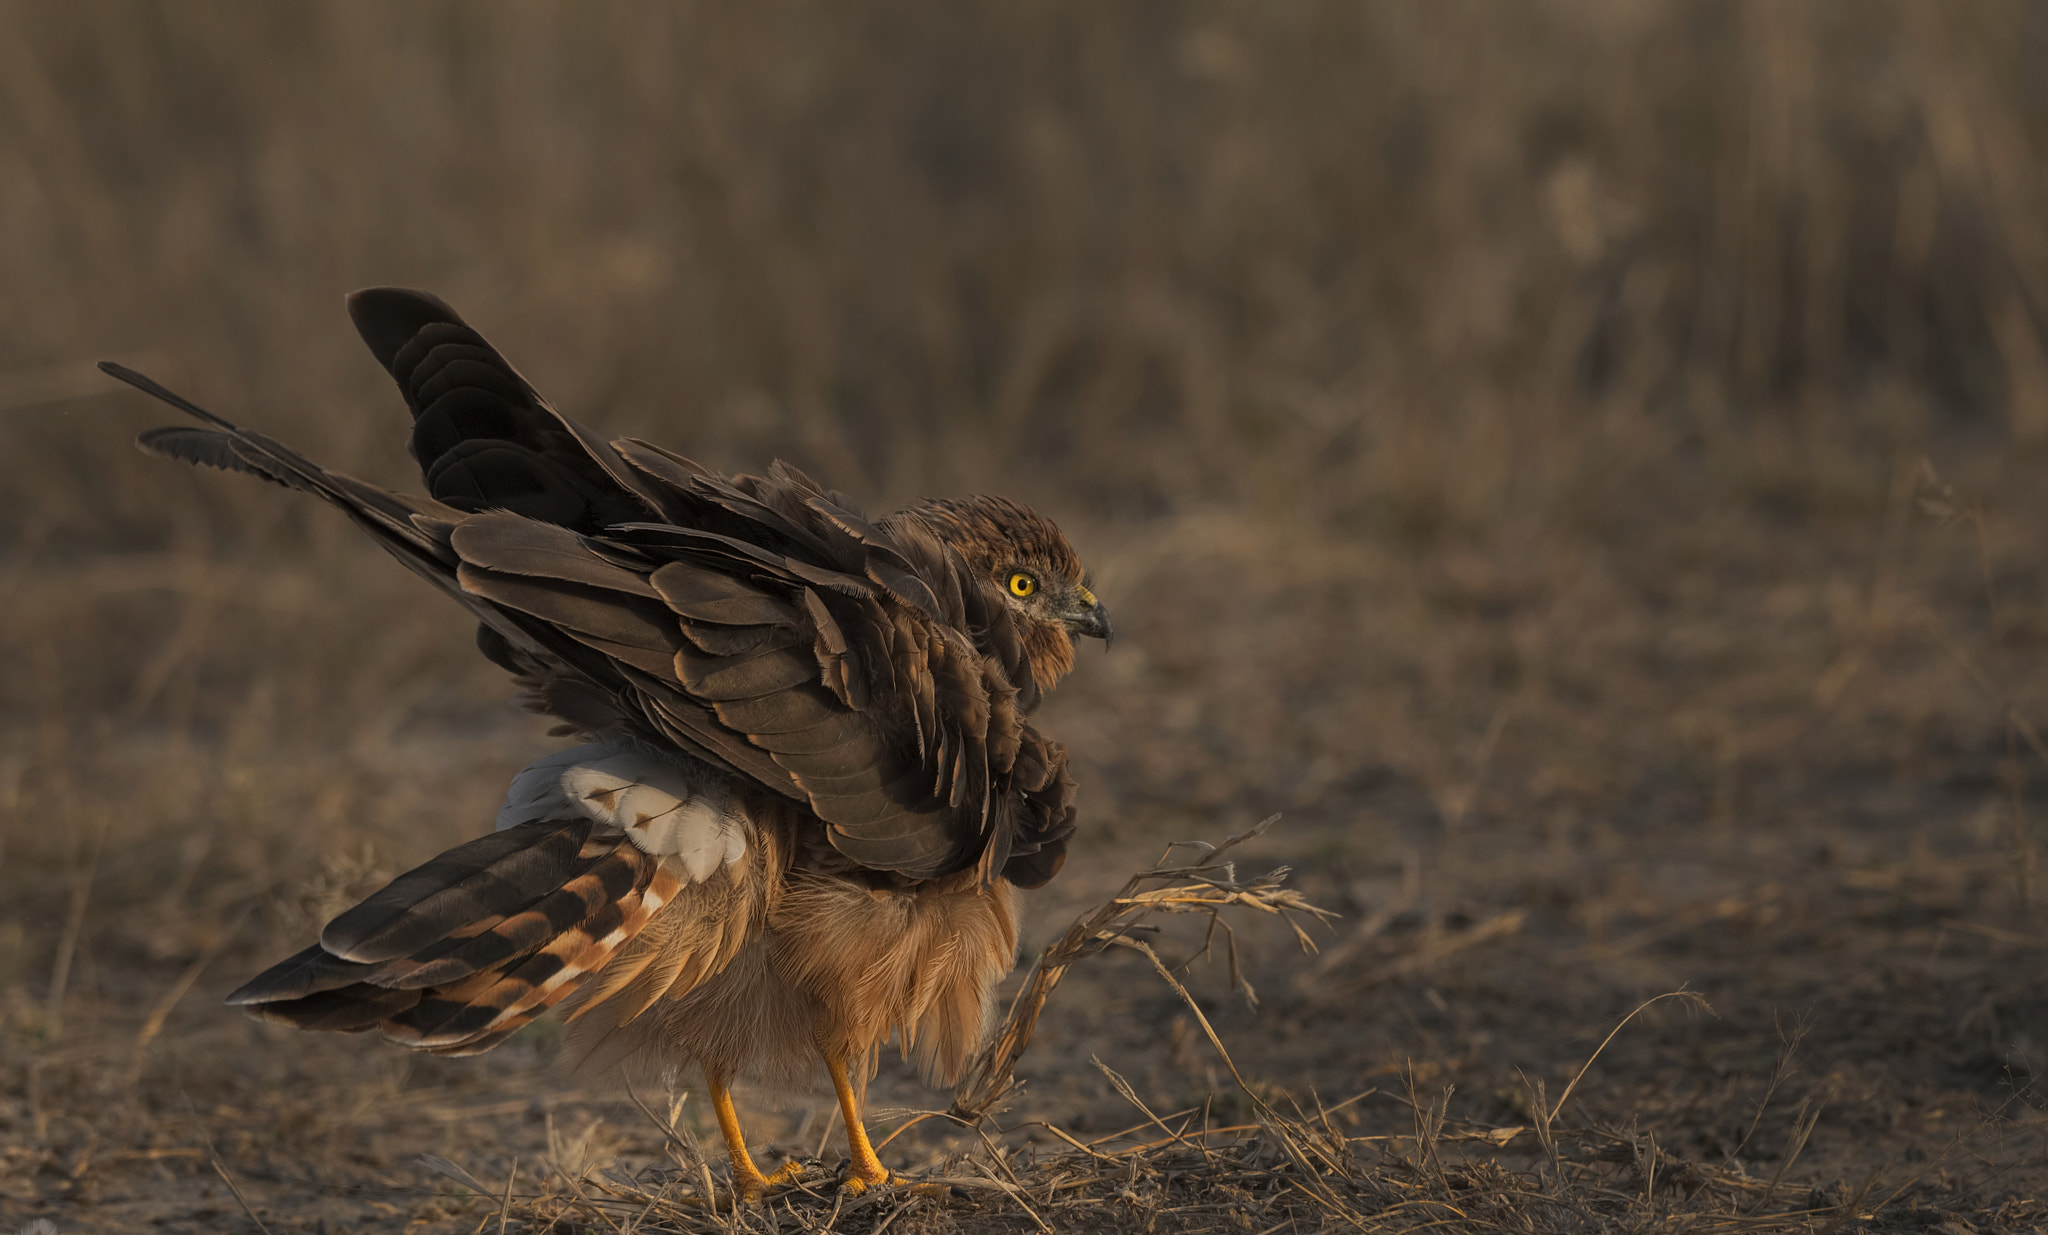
1852 901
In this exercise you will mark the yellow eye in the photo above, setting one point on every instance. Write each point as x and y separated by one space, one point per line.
1022 584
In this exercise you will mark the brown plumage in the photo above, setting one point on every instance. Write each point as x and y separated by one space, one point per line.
809 781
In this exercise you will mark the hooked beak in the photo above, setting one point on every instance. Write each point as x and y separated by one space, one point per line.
1093 621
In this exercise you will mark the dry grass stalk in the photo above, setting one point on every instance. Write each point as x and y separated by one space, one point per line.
1207 886
1291 1170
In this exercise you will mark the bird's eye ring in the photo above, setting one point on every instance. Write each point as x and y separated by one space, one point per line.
1022 584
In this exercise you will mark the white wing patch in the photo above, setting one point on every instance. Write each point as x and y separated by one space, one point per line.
663 808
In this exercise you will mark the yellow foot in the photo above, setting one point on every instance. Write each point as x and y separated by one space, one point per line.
751 1188
755 1187
856 1183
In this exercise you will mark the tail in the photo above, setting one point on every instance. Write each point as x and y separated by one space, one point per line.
456 955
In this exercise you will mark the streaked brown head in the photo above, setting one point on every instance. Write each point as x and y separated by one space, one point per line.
1024 555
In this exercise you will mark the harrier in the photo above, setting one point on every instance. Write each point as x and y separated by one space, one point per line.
807 786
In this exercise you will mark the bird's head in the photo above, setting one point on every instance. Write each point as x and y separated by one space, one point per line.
1025 557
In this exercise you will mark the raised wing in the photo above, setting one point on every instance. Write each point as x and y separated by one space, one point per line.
762 624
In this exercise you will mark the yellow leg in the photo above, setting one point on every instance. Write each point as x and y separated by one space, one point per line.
867 1170
749 1185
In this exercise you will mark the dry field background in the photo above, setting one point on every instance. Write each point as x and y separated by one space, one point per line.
1581 461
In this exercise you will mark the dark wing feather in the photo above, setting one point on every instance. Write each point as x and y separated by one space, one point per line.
205 448
600 613
746 675
389 518
705 595
482 434
829 733
762 624
1043 806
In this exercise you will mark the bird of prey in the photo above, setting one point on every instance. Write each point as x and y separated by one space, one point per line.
807 783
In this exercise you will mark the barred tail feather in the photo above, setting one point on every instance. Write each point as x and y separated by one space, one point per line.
494 933
698 937
477 1014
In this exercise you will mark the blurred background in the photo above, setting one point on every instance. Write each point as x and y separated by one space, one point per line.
1579 459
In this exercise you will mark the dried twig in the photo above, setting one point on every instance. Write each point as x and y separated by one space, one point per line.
1207 886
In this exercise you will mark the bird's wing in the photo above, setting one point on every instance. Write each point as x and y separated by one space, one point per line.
456 955
761 624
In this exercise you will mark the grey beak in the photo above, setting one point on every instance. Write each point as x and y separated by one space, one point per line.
1095 624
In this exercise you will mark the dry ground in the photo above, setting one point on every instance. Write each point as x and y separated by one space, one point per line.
1796 794
1581 464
